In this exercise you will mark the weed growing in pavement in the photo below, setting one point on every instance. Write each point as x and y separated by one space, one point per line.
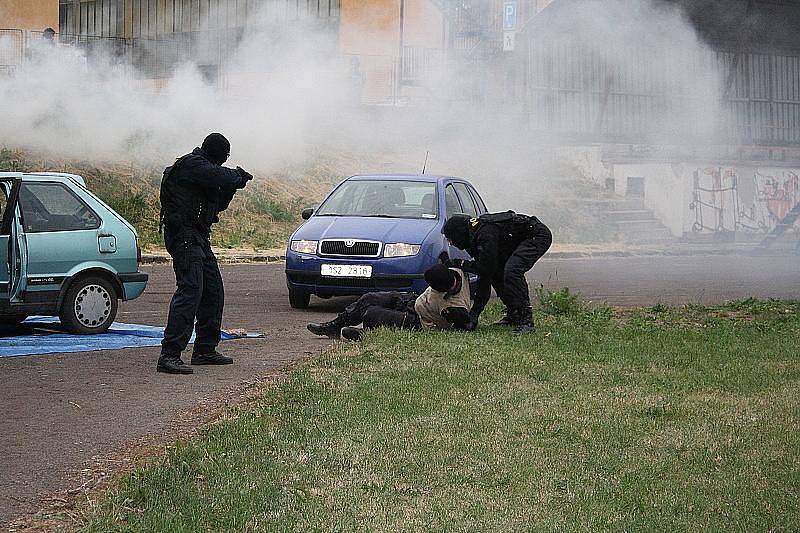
668 419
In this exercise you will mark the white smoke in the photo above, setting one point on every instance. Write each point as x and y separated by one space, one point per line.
281 100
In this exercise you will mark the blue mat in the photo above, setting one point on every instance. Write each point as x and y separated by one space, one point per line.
42 335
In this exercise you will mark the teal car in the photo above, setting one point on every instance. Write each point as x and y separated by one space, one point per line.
64 252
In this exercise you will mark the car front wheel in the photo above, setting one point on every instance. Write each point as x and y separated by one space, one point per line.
299 299
89 306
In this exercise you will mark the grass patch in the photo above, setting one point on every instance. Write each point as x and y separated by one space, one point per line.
651 419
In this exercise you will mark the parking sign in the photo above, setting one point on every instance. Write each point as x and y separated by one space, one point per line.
510 16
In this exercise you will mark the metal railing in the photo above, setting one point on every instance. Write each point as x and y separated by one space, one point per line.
12 50
657 95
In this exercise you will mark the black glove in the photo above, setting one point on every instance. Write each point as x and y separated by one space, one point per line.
460 318
455 263
246 177
444 258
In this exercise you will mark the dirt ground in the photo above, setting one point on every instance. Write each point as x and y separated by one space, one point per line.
70 415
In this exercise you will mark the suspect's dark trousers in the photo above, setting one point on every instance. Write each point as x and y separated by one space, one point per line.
514 291
382 309
199 294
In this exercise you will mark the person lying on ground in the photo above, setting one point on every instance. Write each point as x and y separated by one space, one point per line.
445 304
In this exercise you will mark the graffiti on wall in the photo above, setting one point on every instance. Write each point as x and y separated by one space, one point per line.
723 202
778 194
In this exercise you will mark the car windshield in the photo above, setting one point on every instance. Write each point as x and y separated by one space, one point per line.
382 198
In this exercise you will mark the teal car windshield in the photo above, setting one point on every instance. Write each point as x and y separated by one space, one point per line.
382 198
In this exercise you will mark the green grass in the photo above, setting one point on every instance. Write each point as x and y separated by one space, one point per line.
654 419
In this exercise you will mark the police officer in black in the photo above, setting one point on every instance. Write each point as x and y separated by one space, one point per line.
504 247
194 191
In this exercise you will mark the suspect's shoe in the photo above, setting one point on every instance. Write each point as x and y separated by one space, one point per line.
330 329
211 358
352 334
172 364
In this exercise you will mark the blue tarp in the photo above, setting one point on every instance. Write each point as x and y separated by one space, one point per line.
43 335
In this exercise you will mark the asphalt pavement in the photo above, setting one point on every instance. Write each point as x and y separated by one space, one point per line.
69 414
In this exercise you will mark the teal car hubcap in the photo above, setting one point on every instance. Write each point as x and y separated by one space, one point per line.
93 306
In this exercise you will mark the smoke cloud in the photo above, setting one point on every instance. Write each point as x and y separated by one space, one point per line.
290 96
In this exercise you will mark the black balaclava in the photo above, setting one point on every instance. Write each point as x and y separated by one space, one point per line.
216 148
456 229
440 278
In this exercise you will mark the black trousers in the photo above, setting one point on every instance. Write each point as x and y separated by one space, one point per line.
509 280
199 295
382 309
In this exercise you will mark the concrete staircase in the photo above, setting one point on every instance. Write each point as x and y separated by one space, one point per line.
635 223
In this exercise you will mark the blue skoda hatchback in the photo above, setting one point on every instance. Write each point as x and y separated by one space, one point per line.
375 233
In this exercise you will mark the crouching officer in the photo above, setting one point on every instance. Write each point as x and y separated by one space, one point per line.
194 191
445 304
504 247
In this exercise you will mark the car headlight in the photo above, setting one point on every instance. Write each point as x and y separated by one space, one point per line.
400 249
304 247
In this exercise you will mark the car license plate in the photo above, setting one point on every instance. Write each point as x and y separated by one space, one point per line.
347 271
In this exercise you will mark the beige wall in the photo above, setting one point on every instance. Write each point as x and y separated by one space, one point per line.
370 27
29 14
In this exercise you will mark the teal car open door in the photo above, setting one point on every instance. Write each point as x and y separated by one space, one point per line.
64 252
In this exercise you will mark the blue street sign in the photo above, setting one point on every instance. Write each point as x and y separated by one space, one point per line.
510 16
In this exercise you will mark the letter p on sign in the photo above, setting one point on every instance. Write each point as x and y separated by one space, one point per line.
510 16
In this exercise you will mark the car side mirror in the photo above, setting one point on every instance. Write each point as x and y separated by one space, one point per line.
307 212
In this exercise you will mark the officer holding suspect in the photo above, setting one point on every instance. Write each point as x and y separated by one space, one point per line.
194 191
445 304
504 247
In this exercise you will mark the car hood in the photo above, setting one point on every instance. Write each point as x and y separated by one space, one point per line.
412 231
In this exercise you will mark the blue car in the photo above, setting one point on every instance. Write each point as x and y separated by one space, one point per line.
375 233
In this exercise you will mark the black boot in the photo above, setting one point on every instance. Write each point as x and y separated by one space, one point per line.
211 358
330 329
523 323
507 319
172 364
352 334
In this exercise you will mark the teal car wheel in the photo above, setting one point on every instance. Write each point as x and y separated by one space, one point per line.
90 306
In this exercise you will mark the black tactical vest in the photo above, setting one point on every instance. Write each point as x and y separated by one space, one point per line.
185 206
516 227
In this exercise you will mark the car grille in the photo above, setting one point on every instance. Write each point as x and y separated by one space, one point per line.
358 248
356 283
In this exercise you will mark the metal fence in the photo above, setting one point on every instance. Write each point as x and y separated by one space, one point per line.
558 87
744 97
12 50
143 58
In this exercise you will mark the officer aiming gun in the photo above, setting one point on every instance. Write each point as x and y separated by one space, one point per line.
504 247
194 191
445 304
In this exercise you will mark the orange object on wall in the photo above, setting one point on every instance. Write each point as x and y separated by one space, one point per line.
33 15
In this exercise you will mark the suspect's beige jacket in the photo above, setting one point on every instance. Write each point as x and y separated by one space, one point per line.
431 303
